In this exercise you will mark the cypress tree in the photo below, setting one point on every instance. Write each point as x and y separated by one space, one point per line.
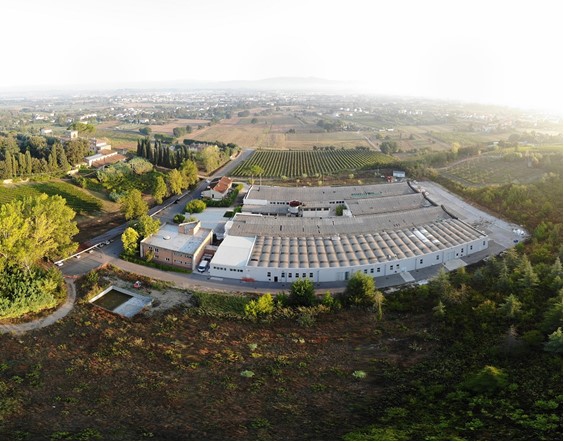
21 163
53 159
8 171
28 163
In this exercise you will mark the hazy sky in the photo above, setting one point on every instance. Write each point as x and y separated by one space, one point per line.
507 52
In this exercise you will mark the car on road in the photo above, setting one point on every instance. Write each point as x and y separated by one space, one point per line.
137 285
59 263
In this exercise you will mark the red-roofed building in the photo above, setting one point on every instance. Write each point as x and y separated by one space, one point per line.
218 188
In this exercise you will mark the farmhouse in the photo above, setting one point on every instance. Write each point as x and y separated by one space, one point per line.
218 188
181 246
289 233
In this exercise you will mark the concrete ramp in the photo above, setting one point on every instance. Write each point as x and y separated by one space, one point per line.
406 276
454 264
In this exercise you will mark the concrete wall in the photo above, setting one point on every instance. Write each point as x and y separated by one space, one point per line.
175 258
330 274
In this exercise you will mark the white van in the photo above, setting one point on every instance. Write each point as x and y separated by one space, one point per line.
203 266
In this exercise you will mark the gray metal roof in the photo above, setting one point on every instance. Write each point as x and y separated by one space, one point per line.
345 250
326 194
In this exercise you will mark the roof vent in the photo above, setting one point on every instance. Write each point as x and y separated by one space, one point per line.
166 237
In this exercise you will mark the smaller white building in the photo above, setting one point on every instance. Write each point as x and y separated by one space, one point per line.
218 189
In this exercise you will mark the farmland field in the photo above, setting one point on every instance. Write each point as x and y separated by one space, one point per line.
79 200
494 169
309 162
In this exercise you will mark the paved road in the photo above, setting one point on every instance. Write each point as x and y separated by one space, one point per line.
174 204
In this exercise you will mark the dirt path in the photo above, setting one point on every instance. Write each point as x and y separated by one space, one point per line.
60 313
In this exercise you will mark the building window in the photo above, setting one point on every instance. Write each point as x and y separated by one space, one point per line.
372 270
283 274
303 275
289 275
268 274
438 257
378 270
484 243
471 247
365 271
391 267
311 275
420 261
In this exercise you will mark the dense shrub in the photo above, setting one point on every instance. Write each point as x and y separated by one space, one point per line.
179 218
261 307
360 291
23 292
302 292
195 206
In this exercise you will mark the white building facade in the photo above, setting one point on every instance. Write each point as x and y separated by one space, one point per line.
390 229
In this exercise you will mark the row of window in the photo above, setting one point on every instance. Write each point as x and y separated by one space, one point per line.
225 269
183 262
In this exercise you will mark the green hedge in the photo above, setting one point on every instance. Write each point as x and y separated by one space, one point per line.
23 292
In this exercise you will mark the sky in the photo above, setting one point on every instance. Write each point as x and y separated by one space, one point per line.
491 51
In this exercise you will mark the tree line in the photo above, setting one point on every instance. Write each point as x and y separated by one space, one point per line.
26 155
209 157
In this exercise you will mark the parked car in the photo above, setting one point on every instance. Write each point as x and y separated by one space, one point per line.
203 266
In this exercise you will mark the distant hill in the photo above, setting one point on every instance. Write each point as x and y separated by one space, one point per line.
278 83
284 83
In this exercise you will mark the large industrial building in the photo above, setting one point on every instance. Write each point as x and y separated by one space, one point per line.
326 234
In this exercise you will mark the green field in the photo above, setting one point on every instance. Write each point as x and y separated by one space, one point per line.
309 163
496 169
80 201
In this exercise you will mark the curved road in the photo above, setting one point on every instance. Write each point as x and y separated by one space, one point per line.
75 266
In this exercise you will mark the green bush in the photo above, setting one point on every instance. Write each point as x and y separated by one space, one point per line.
488 380
179 218
360 292
195 206
260 308
23 292
302 292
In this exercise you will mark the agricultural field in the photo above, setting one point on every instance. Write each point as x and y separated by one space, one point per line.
272 132
119 139
494 169
79 200
310 162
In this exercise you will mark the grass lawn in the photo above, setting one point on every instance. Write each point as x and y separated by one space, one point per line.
79 200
